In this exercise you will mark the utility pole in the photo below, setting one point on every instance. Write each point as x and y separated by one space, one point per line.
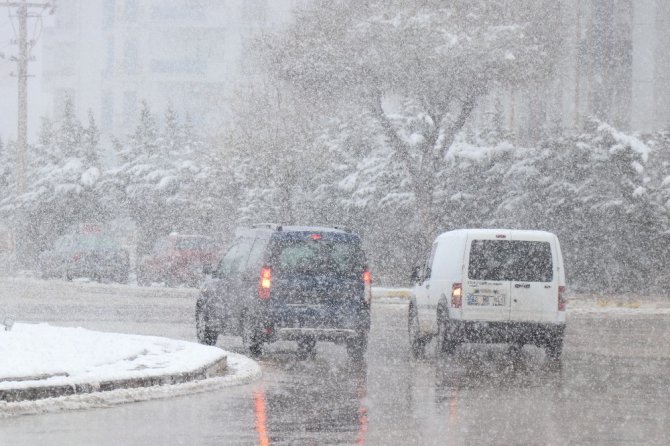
22 13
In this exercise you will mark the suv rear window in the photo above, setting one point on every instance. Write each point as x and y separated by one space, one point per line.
319 257
510 260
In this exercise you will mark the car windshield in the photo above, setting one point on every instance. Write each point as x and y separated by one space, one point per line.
510 260
320 257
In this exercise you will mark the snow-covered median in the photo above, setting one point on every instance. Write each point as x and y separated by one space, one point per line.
45 368
42 355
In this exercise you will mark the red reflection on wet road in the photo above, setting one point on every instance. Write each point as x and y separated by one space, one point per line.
261 418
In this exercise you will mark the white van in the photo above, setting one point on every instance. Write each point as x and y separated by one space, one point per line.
491 286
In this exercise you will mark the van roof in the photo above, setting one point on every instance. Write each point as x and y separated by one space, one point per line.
514 233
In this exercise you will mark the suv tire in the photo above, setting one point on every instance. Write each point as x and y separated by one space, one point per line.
357 346
251 335
554 349
203 329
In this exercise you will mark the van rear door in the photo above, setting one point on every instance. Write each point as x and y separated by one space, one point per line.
534 278
486 293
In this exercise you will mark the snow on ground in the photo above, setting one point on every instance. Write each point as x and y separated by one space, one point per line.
43 355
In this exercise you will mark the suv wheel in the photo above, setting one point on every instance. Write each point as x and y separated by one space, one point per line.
417 343
251 335
204 332
357 346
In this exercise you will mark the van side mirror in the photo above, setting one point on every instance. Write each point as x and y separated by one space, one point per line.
416 274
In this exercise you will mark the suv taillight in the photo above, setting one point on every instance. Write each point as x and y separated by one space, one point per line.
265 283
457 295
562 300
367 282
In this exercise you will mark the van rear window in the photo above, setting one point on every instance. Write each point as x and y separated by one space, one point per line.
319 257
510 260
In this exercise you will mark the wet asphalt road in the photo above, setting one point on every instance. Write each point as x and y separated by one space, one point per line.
612 386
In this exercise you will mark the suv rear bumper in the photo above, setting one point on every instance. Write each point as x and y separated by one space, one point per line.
320 334
538 333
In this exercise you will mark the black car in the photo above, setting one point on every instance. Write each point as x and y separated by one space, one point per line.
91 256
304 284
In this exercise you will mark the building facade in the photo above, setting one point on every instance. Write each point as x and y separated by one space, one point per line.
614 66
109 55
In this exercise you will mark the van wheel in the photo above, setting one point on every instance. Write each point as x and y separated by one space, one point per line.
250 335
554 349
356 347
417 344
444 343
203 329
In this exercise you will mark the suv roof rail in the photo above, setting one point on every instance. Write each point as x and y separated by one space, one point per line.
274 226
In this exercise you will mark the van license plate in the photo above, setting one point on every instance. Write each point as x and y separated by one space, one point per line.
479 300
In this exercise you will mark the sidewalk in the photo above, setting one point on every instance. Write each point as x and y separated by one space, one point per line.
41 361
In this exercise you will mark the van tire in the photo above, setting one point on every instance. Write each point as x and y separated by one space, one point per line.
250 335
444 343
417 343
554 349
203 329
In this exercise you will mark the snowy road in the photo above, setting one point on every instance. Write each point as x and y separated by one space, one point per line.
613 385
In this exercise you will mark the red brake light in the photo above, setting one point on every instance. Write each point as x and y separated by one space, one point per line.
315 236
562 300
457 295
367 282
265 283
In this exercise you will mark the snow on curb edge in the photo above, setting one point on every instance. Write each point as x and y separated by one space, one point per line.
241 370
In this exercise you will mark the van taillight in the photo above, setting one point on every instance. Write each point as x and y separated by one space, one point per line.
562 300
265 284
457 295
367 281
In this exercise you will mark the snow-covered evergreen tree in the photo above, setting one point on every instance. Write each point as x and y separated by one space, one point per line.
63 184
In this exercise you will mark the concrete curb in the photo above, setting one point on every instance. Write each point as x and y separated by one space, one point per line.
216 368
241 370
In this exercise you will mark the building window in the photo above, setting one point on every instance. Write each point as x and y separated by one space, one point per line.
130 56
129 107
108 13
109 54
130 11
107 111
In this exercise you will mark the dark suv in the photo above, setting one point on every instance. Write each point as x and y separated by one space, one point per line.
305 284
